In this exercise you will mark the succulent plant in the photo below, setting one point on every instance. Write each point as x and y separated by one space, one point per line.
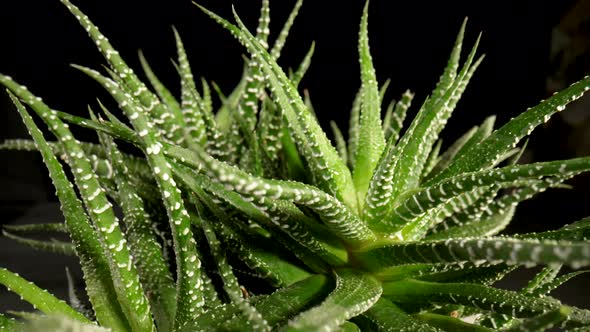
381 231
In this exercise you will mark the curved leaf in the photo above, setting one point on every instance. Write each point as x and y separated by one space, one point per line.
146 251
336 216
407 210
303 66
167 123
354 293
489 151
276 307
327 169
131 298
58 323
34 228
388 317
6 323
409 155
340 142
393 124
473 295
542 322
275 52
447 323
371 136
100 288
188 280
39 298
492 250
230 282
550 285
55 246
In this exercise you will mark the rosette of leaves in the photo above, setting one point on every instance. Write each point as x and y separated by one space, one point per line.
380 232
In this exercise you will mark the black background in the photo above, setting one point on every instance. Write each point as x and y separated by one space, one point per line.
410 42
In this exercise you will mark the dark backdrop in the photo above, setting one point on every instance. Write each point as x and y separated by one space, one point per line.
410 41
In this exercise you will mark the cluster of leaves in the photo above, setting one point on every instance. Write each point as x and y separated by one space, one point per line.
380 232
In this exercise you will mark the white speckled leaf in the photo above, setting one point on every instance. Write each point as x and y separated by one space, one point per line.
189 298
41 299
487 153
492 250
407 211
93 260
371 137
54 246
328 170
354 293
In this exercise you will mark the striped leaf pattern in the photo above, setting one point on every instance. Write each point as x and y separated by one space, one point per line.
239 214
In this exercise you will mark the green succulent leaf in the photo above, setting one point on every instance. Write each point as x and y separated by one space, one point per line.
7 323
191 101
542 322
40 298
266 264
303 66
486 226
270 133
386 316
496 214
408 210
168 124
490 150
282 38
93 260
447 323
354 294
37 228
395 116
188 303
131 297
371 136
433 158
451 152
56 322
332 212
546 275
408 157
55 246
577 231
97 154
550 285
328 170
483 132
163 93
340 142
114 130
383 90
248 104
491 250
353 130
475 273
481 200
288 221
270 225
230 282
277 307
146 251
473 295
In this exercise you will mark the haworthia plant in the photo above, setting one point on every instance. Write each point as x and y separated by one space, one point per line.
244 216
